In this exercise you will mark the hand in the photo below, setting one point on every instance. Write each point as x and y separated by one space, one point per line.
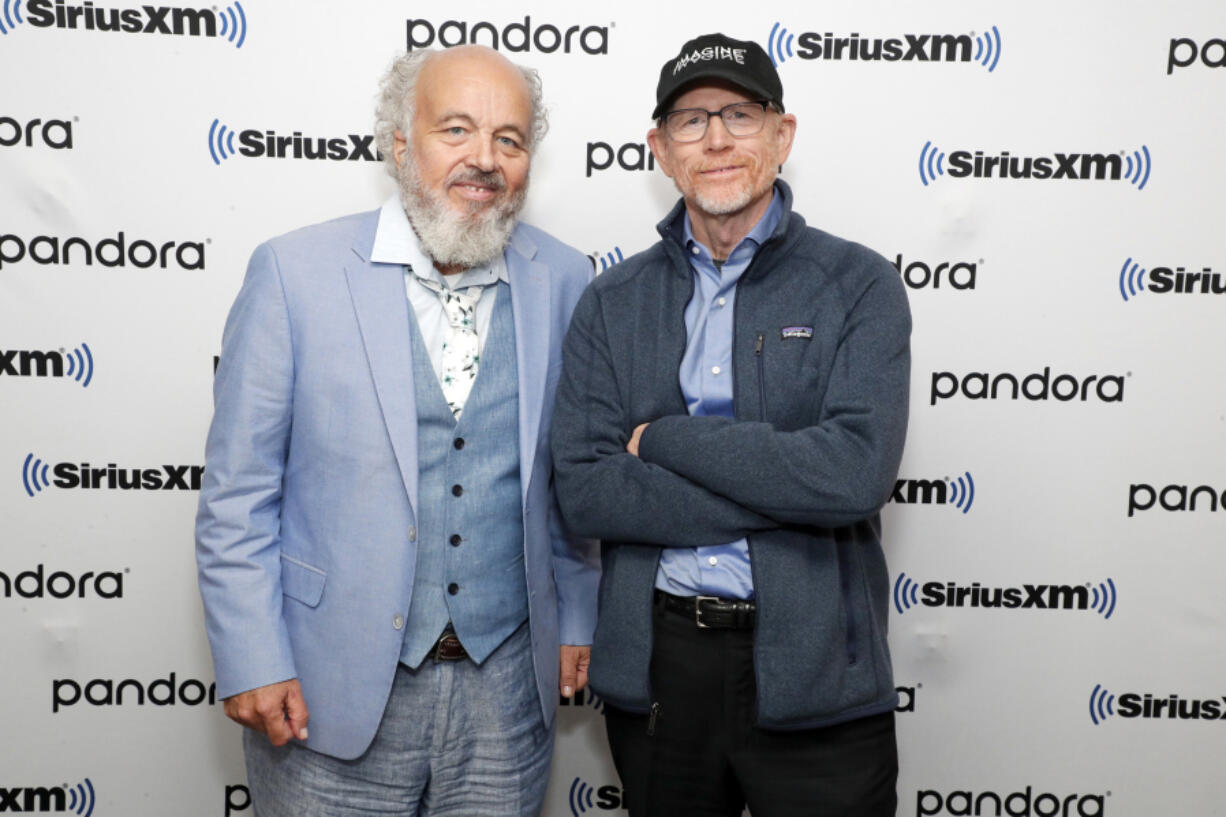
277 710
633 445
575 661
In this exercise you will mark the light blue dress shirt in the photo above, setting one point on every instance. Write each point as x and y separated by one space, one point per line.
706 381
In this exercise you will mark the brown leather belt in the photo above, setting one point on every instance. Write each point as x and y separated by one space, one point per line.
710 612
447 648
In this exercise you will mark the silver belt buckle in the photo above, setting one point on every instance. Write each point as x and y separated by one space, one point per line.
698 600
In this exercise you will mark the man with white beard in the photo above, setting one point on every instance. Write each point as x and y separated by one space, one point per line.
378 542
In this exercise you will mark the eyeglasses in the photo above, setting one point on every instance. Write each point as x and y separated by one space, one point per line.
740 118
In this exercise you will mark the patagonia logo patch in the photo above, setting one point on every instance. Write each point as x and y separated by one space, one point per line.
796 332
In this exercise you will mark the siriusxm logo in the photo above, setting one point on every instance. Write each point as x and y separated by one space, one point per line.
78 799
271 145
33 363
238 798
584 798
229 24
516 36
1098 598
1184 51
919 275
586 698
37 584
1133 168
54 133
71 475
600 263
1024 803
958 492
630 156
1108 388
109 252
1164 281
66 692
1170 707
981 49
1142 496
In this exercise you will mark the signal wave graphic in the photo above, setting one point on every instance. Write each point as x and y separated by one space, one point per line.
233 25
1132 279
607 260
778 40
906 593
931 163
221 142
1103 598
11 16
34 474
581 797
81 798
81 365
1137 168
962 492
1102 704
987 49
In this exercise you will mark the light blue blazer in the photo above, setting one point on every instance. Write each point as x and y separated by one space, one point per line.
306 533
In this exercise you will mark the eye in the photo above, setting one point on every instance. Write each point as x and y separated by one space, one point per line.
508 141
455 130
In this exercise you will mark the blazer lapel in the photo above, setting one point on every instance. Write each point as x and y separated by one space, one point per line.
382 310
530 297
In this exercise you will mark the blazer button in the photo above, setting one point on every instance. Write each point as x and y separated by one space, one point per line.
458 443
455 540
456 490
453 588
398 621
412 533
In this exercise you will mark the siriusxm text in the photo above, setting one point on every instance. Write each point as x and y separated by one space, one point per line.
112 477
1206 282
964 163
195 22
270 144
1026 597
907 48
1173 707
33 799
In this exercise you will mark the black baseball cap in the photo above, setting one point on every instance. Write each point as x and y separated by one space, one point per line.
716 56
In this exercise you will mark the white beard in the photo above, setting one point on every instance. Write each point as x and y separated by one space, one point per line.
453 238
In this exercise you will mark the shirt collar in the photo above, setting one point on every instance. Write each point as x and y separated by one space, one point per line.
397 243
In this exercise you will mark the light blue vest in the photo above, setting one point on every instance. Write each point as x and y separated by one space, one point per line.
470 526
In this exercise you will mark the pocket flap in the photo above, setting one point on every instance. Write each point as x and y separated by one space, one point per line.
301 581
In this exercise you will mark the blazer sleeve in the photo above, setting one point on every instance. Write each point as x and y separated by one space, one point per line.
238 522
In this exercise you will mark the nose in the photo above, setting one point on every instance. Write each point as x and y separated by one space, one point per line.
482 155
717 136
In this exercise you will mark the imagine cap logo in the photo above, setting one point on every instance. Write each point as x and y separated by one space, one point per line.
271 145
1132 167
228 24
981 49
78 799
606 260
1100 598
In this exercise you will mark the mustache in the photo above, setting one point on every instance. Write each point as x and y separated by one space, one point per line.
485 178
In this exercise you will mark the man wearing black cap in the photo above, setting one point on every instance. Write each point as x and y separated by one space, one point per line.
729 422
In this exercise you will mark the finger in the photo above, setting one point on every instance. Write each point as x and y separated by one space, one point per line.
273 722
296 712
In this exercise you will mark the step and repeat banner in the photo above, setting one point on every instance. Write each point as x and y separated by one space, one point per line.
1047 178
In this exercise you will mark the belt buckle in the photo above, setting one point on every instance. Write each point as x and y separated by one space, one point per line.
698 600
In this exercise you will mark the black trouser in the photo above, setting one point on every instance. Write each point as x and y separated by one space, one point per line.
701 755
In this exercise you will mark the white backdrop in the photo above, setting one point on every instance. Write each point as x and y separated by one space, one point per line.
1095 524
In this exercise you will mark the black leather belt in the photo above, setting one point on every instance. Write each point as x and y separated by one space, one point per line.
447 648
710 612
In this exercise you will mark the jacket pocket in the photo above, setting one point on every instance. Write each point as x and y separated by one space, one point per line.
301 581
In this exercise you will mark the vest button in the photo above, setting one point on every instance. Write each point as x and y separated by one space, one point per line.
455 539
397 621
458 442
456 490
453 588
412 533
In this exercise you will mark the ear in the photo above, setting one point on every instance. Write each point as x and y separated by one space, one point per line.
400 147
785 133
658 143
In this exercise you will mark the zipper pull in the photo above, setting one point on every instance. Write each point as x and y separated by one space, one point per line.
651 721
757 347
